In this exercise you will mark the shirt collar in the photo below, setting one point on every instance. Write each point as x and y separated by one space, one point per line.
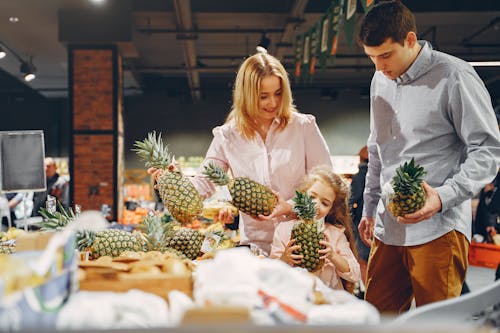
420 65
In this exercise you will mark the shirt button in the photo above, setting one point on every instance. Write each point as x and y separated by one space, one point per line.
394 138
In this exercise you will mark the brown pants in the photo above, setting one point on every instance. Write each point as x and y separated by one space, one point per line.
430 272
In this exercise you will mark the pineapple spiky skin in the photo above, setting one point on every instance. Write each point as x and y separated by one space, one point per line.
247 195
185 240
177 193
109 242
409 194
307 233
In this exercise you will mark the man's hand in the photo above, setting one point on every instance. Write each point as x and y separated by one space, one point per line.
431 207
288 256
225 216
365 227
282 208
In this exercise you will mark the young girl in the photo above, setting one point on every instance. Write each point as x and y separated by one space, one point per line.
331 195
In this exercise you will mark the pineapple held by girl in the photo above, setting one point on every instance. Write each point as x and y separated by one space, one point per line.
409 194
177 193
308 232
247 195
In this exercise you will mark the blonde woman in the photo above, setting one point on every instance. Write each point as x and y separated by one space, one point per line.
264 138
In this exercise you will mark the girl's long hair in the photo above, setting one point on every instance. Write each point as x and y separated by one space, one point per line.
339 214
246 93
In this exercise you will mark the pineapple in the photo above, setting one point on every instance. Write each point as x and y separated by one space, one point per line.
171 238
177 193
55 221
185 240
409 194
109 242
247 195
307 232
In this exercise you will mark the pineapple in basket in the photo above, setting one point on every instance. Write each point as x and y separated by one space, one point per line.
307 232
109 242
409 194
177 193
171 237
247 195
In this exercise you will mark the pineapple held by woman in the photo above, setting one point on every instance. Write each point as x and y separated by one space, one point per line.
177 193
307 232
409 194
247 195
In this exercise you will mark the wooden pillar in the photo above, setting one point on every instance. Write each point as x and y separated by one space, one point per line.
96 139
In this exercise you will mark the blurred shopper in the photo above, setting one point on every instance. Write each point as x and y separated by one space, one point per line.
356 204
488 210
266 139
57 186
432 107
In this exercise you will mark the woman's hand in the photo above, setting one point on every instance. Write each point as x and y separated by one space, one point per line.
282 208
225 216
288 255
327 251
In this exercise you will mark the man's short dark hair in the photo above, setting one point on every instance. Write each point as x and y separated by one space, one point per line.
387 19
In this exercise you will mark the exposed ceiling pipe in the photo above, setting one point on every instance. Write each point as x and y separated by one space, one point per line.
294 16
184 18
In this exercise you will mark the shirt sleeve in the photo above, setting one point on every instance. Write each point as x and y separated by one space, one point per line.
372 191
475 123
280 238
215 154
317 151
344 250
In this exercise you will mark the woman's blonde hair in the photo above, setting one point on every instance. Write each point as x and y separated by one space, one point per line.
246 93
339 214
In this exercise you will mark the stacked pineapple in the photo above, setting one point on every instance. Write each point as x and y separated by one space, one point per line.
171 237
177 193
307 232
247 195
409 194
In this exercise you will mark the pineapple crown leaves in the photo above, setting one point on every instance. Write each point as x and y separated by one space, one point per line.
408 178
154 229
57 220
216 174
304 206
153 151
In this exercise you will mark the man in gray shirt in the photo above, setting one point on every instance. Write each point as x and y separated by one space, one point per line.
432 107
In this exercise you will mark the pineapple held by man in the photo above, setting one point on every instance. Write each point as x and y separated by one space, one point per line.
307 232
247 195
409 194
177 193
109 242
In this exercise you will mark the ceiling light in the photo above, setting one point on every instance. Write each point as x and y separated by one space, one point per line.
14 19
485 63
2 52
98 1
28 69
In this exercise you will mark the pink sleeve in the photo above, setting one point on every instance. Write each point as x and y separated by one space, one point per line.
281 237
216 155
317 151
345 251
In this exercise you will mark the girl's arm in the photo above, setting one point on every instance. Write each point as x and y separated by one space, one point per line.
342 258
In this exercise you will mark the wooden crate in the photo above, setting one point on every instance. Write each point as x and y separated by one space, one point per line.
158 284
484 255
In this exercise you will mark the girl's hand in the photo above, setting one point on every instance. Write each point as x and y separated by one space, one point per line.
288 255
282 208
327 252
225 216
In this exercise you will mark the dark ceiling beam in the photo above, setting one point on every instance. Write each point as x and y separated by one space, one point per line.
294 16
195 32
184 19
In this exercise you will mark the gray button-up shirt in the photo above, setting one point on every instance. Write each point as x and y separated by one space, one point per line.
440 113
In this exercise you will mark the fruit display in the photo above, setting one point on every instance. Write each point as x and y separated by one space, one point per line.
8 240
307 232
247 195
176 191
408 192
212 208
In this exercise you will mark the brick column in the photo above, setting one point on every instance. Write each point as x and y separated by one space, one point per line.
96 143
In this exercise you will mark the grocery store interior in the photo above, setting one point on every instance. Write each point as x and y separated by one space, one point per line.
87 79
